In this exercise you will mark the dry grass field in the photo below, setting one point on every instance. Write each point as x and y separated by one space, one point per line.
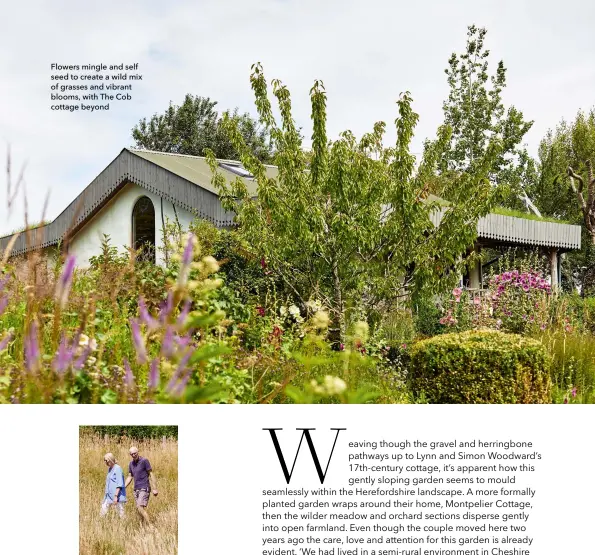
111 535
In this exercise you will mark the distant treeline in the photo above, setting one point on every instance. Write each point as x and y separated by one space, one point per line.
135 432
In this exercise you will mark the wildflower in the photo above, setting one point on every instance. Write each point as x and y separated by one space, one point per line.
187 257
184 314
457 292
154 374
260 310
476 301
283 311
403 346
145 317
294 310
3 304
573 392
139 344
334 385
80 361
6 340
321 320
31 346
167 347
210 264
65 281
128 375
63 356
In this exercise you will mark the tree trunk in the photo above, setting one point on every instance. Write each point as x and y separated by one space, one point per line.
337 331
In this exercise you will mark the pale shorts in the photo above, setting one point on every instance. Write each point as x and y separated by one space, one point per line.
119 507
142 497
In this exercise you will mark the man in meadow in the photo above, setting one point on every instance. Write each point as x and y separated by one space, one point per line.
115 490
140 470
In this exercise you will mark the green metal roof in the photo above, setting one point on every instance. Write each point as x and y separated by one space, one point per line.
196 170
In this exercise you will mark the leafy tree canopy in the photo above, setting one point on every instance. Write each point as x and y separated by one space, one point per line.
570 146
350 223
475 112
196 126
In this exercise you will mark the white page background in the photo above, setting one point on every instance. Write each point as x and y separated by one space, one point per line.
226 460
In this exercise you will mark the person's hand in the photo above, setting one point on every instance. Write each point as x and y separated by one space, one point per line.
115 501
155 492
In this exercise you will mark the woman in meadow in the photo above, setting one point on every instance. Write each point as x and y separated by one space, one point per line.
115 489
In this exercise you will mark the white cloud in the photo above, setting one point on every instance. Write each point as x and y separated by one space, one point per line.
365 52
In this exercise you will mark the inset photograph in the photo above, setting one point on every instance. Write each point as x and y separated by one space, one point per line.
128 490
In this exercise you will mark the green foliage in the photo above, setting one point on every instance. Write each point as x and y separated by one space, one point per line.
196 126
476 114
481 367
573 364
350 222
568 145
133 432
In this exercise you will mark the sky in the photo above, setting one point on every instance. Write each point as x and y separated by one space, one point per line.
366 53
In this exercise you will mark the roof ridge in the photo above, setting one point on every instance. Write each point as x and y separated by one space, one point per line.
221 160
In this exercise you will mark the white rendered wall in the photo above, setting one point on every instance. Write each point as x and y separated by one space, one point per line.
115 219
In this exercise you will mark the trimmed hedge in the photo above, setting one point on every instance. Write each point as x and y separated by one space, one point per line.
484 366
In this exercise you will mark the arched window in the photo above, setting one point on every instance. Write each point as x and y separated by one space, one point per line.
143 229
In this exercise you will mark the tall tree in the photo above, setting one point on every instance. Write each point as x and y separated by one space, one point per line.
561 187
476 114
356 221
196 126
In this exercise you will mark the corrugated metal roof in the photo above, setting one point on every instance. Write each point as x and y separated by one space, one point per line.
498 228
196 170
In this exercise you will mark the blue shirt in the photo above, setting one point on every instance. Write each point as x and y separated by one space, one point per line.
114 480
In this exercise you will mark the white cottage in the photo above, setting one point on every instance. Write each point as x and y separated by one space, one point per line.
132 199
135 195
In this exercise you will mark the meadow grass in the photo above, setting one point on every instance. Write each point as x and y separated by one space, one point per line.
111 535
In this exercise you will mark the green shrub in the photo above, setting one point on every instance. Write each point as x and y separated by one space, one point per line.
481 367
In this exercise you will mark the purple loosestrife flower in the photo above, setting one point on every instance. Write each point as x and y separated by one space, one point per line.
145 317
79 363
65 281
166 307
180 376
139 343
5 341
128 375
167 347
32 353
63 357
184 314
3 304
154 374
187 258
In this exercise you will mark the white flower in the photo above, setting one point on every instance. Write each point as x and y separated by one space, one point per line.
314 306
294 310
283 311
321 320
91 361
83 340
334 385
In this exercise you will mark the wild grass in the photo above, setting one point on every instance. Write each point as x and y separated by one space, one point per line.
573 365
525 215
111 535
